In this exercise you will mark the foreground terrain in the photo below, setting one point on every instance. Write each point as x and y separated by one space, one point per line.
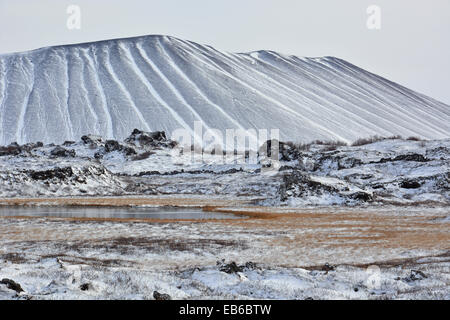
326 221
322 253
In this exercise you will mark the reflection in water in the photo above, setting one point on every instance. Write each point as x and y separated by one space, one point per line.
114 212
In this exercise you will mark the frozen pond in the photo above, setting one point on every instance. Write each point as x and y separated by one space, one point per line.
175 213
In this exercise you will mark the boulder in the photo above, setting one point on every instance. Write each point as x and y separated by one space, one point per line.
113 145
410 184
327 267
362 196
92 140
11 284
287 151
299 184
129 151
31 146
150 139
231 268
59 173
12 150
60 152
161 296
85 287
415 275
405 157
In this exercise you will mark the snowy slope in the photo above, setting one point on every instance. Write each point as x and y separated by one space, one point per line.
162 83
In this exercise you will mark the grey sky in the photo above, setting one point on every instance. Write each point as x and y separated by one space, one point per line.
412 47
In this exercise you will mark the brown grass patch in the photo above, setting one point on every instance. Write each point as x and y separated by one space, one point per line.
13 257
120 202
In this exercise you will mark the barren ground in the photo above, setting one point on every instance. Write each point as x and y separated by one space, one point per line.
397 239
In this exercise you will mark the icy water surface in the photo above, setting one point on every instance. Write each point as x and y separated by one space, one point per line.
113 212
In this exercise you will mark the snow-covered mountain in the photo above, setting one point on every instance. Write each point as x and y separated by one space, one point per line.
163 83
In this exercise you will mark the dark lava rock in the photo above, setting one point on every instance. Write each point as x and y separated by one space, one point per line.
68 143
10 284
287 151
113 145
14 149
411 157
60 173
142 156
362 196
92 139
415 276
31 146
161 296
157 135
250 265
150 139
405 157
443 181
303 185
61 152
327 267
85 287
136 132
410 184
98 155
11 150
128 151
231 268
347 163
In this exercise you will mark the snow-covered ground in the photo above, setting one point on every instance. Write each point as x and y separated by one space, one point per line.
391 254
345 282
378 213
390 171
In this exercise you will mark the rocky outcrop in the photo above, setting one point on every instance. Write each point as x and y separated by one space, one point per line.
300 184
150 140
92 140
11 150
58 173
161 296
233 267
60 152
410 184
11 284
15 149
405 157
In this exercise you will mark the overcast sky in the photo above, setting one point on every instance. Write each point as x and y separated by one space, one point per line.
411 48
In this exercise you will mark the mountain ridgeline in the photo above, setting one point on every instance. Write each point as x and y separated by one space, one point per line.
160 83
